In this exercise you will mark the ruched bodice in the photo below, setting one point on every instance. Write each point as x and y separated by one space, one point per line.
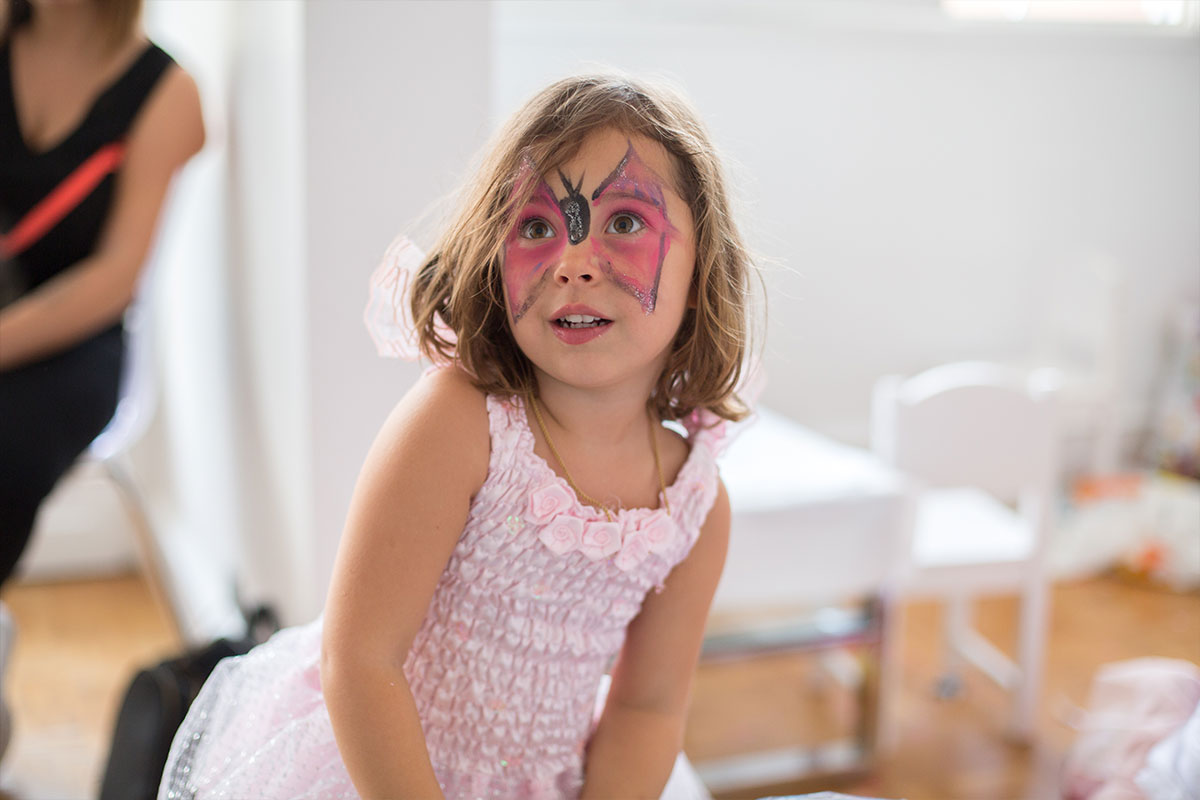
534 604
528 614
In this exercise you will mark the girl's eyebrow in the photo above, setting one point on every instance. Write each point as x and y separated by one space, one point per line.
632 194
543 196
619 177
539 200
618 172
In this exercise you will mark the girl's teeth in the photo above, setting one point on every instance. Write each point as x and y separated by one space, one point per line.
580 321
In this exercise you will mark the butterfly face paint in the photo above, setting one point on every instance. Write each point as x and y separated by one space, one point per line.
533 245
637 233
575 210
629 243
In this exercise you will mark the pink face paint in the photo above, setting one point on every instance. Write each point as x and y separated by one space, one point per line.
528 260
629 243
633 260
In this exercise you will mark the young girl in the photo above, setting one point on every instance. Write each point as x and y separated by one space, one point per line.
524 518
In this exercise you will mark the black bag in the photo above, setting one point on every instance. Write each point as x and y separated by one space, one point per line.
154 707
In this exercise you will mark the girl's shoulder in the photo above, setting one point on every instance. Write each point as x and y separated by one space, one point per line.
446 412
676 449
446 396
451 383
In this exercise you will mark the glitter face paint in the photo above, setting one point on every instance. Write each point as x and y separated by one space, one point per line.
527 262
575 210
633 262
629 244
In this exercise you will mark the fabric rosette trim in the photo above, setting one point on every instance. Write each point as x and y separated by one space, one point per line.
548 502
633 551
600 540
562 532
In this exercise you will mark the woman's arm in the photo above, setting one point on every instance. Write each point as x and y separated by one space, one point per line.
641 730
93 293
408 511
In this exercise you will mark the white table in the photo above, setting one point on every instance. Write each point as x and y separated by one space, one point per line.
817 549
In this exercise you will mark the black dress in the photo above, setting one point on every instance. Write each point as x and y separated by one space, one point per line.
50 410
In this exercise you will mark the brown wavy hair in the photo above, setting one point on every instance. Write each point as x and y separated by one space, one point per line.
460 283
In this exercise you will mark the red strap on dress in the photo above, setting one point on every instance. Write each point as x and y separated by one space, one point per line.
60 202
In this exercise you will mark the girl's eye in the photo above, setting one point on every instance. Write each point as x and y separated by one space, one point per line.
536 228
625 223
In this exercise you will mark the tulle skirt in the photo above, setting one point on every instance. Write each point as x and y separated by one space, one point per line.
260 729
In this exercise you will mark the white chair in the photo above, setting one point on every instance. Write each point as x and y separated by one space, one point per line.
981 439
110 450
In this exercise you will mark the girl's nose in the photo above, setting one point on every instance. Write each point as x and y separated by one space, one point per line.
576 266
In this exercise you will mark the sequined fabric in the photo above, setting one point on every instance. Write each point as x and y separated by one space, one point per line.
527 616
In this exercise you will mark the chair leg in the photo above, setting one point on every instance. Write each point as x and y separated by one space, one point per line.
842 666
147 545
1031 650
887 727
956 623
873 725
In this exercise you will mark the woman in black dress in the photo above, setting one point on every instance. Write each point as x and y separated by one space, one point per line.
94 122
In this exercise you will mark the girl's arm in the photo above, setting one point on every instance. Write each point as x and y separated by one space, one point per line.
92 294
641 730
408 510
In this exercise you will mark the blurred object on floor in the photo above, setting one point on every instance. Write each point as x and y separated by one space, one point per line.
1172 767
156 704
1145 526
1132 706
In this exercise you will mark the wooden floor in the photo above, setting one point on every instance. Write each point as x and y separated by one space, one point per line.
79 644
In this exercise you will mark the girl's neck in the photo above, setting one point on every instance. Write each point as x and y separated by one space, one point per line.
602 416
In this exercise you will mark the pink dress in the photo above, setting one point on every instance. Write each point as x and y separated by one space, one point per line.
526 619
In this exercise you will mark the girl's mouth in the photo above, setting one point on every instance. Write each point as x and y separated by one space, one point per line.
575 321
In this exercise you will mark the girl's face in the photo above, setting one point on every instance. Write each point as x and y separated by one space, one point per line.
598 267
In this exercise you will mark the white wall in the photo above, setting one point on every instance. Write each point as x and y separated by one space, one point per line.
396 99
346 119
187 464
269 368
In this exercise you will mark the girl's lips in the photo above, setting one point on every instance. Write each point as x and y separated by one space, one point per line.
577 308
579 335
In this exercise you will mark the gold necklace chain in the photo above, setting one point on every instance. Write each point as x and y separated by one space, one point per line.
587 498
